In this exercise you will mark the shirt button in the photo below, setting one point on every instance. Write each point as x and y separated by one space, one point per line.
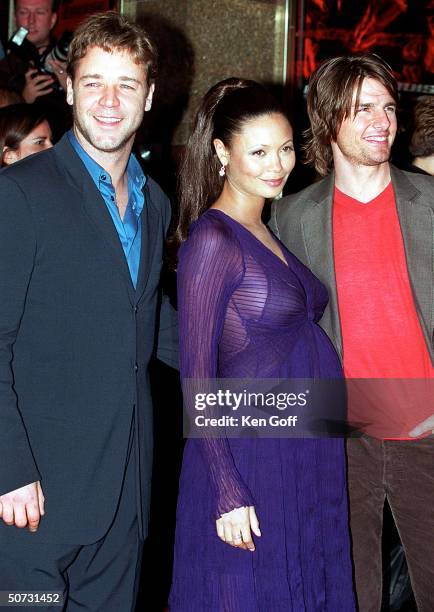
112 198
135 309
103 177
136 367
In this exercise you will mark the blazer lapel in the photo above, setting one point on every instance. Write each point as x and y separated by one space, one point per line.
95 208
418 233
317 231
150 222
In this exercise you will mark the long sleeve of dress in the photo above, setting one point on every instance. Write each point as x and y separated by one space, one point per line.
210 268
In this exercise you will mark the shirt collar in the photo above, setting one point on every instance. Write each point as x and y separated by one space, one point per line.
136 176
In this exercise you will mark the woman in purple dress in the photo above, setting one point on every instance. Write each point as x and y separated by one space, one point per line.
261 523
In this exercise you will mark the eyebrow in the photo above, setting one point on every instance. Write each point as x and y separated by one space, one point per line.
371 104
100 76
268 145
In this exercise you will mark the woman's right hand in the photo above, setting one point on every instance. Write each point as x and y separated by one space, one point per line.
235 527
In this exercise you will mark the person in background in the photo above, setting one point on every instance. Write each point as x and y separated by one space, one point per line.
261 523
23 131
8 97
46 90
39 18
366 230
422 139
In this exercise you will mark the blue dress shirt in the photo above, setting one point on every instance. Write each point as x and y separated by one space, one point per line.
129 229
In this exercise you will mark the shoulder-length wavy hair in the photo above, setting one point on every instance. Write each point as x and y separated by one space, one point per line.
330 101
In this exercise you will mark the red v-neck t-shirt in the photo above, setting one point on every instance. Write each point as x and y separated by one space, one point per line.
381 332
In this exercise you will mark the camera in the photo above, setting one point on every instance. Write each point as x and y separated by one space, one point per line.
24 49
59 52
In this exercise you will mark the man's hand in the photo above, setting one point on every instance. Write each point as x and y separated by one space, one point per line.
426 426
23 506
235 527
59 69
36 85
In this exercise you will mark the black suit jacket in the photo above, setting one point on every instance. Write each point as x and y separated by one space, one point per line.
75 342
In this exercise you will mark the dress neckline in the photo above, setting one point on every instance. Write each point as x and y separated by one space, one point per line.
249 233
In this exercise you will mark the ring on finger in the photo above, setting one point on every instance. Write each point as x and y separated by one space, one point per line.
238 538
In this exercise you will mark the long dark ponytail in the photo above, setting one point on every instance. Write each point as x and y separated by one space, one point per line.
223 110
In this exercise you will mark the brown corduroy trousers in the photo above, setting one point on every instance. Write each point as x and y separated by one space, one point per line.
403 473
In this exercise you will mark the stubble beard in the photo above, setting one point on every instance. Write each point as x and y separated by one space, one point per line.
108 146
362 157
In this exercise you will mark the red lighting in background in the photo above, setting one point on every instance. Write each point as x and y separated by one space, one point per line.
401 31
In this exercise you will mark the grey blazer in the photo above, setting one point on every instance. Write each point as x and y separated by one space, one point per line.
303 222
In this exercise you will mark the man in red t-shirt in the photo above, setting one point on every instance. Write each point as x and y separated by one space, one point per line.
367 231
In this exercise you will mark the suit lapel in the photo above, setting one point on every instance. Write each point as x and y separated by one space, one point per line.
95 208
317 231
150 233
418 234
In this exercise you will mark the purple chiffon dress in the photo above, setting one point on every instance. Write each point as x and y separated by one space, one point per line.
244 313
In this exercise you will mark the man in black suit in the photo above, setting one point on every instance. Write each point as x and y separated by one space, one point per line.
81 239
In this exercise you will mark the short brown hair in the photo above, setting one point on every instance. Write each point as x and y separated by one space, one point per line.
112 32
422 140
330 97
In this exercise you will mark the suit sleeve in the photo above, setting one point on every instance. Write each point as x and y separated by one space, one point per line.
272 224
17 256
167 349
167 343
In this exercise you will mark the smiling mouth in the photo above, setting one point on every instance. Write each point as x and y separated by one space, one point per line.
274 182
108 120
377 139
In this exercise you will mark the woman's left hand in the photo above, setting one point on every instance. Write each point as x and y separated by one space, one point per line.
235 527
